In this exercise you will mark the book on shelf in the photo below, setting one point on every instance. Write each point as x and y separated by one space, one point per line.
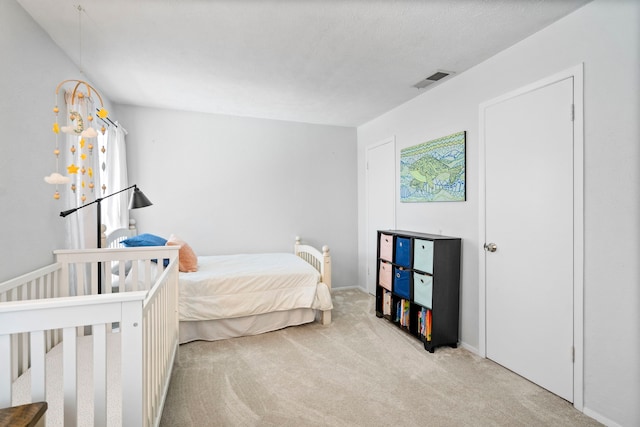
386 303
406 312
402 312
424 323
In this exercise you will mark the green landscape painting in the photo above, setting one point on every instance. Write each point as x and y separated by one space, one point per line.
434 171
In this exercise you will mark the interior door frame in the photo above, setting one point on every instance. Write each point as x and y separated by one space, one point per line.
370 240
576 73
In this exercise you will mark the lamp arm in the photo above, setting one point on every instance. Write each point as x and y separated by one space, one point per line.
98 200
118 192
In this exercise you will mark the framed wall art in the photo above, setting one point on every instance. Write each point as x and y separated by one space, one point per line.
434 171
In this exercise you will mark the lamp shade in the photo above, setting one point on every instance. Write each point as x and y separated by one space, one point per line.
138 199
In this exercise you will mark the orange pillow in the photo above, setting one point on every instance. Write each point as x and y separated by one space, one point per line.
188 258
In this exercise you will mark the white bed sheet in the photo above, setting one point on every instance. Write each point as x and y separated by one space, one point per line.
230 286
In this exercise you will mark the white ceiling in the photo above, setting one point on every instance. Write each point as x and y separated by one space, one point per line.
329 62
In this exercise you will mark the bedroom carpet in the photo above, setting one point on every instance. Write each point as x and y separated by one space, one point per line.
358 371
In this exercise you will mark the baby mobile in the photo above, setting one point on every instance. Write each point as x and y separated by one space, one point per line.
81 156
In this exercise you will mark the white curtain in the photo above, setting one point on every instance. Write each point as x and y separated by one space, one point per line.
115 210
102 170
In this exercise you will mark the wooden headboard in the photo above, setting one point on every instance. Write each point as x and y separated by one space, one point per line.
118 235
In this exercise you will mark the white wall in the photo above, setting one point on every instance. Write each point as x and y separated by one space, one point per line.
30 69
605 36
228 184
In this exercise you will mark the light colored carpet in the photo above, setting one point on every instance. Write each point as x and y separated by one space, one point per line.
358 371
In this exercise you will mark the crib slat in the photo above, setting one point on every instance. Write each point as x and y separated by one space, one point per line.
23 355
93 283
79 279
64 280
38 367
155 351
57 291
146 351
100 374
135 274
70 377
15 352
122 276
5 371
132 363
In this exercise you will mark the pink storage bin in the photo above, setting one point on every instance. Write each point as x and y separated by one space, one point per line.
386 247
385 275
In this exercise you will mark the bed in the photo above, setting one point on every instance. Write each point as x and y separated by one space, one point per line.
227 296
248 294
96 359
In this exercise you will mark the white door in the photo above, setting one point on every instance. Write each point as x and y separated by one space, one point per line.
529 217
381 199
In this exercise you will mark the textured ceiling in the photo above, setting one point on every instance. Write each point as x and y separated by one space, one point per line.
329 62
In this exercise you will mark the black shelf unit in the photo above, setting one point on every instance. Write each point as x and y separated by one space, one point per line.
421 272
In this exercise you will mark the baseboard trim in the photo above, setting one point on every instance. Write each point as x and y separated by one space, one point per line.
600 418
469 348
339 288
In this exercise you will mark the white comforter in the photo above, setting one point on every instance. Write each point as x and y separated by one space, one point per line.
230 286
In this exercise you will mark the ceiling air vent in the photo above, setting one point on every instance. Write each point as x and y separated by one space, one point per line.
438 75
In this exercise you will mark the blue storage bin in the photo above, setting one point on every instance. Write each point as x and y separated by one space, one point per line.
402 282
403 252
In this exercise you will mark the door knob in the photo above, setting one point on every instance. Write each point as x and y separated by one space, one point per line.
490 247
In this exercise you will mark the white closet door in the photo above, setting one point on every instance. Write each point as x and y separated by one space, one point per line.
529 218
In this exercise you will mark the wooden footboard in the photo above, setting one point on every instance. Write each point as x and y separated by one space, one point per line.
321 261
34 318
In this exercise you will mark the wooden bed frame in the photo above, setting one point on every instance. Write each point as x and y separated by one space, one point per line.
59 304
321 261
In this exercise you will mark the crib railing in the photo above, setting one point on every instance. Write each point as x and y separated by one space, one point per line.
39 284
160 339
34 318
79 269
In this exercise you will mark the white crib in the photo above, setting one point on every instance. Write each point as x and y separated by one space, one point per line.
131 336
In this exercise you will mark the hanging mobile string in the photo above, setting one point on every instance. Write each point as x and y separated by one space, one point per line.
80 10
